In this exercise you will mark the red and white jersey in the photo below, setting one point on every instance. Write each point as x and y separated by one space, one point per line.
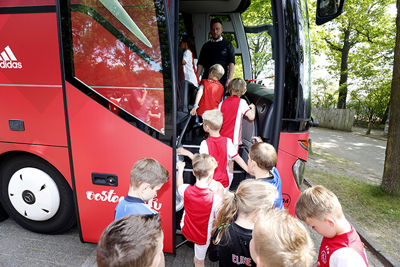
212 94
222 149
201 207
342 250
233 108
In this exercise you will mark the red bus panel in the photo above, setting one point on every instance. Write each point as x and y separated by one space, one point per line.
24 3
56 156
289 152
102 142
29 49
30 87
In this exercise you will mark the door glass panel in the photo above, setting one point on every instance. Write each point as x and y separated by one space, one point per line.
117 53
257 20
238 67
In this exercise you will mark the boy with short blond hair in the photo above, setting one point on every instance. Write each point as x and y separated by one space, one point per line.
134 240
280 240
261 164
210 91
220 147
341 245
202 201
213 119
234 109
147 177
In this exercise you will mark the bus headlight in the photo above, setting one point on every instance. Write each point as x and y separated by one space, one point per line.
298 171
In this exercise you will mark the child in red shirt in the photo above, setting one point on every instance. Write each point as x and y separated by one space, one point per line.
220 147
234 108
202 201
210 91
341 246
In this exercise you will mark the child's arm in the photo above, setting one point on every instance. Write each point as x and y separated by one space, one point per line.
155 115
217 188
179 177
241 163
251 114
197 101
141 100
231 71
184 152
199 69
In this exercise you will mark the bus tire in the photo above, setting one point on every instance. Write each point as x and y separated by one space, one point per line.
36 195
3 214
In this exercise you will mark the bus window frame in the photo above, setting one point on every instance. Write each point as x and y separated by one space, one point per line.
166 63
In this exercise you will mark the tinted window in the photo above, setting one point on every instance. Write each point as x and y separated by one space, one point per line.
117 52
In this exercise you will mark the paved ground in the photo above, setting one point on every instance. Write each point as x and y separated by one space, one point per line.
367 152
19 247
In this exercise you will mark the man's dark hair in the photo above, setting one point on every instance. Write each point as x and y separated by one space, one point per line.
130 241
215 20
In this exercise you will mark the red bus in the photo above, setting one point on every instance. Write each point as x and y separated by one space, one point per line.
79 77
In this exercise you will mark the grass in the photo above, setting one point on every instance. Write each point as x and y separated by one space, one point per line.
332 159
363 202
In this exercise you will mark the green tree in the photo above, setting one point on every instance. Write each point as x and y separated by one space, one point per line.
324 96
260 45
363 27
373 99
391 173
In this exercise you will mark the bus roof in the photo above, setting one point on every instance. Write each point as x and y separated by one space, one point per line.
213 6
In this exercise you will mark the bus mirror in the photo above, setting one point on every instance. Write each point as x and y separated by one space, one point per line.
327 10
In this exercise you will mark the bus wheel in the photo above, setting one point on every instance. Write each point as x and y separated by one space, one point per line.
3 214
36 195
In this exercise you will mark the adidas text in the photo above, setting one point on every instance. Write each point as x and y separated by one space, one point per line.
10 65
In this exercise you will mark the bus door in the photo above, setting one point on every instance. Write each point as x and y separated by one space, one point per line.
119 104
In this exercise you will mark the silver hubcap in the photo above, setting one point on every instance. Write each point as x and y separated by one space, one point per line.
34 194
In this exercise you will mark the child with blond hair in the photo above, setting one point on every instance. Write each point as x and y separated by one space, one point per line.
235 221
341 245
220 147
202 201
280 240
210 91
234 109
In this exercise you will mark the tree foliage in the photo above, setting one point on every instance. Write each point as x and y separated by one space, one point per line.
371 101
260 44
358 44
324 95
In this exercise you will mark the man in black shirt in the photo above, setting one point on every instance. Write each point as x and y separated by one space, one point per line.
217 51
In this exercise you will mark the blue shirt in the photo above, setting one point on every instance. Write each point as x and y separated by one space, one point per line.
275 180
132 205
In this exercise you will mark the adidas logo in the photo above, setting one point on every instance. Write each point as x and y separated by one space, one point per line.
8 60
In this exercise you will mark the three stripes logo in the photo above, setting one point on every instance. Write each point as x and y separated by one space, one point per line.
8 59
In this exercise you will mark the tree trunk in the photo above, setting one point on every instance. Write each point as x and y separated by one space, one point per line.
386 114
344 69
391 173
369 128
